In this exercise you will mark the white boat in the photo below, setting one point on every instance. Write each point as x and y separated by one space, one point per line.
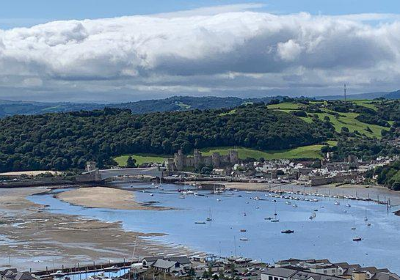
348 205
58 273
337 203
111 268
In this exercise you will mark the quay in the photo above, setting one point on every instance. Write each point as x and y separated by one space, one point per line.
84 268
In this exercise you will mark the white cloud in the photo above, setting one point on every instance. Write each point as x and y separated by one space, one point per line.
191 52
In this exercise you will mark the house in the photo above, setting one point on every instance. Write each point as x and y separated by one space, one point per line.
8 272
183 261
12 274
167 266
149 261
346 269
371 271
386 276
294 273
288 262
278 273
327 269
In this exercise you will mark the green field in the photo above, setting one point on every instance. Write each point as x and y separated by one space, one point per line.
284 106
365 103
312 152
349 120
141 158
345 119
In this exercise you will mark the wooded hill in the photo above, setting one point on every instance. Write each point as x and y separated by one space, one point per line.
67 140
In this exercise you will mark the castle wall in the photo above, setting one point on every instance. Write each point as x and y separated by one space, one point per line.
181 161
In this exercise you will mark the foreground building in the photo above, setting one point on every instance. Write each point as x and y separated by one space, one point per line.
296 269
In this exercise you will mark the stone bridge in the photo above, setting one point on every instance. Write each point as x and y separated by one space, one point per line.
151 171
104 174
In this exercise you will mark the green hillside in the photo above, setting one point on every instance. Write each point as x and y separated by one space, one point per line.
338 119
63 141
140 159
305 152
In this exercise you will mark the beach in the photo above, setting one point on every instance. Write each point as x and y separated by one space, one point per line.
32 237
103 197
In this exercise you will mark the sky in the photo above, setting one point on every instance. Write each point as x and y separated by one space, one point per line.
128 50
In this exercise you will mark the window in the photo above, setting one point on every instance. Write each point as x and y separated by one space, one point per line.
270 278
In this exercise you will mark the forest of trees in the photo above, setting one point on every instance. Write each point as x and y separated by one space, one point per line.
64 141
388 175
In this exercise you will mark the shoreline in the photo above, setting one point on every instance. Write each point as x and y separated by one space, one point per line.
374 193
32 237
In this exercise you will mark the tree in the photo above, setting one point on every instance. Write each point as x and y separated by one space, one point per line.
131 162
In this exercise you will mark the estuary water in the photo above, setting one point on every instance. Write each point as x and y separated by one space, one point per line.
239 225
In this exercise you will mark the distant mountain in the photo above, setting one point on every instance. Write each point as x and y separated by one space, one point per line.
176 103
360 96
11 108
392 95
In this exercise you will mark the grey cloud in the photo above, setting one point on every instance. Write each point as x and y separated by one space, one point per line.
191 53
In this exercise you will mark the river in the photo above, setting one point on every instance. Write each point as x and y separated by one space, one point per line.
329 235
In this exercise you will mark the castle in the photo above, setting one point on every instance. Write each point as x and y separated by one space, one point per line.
216 160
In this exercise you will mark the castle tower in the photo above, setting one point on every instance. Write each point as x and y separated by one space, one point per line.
197 158
90 166
170 164
216 160
179 160
233 156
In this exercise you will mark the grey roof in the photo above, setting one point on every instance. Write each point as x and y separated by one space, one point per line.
10 274
164 264
385 276
304 275
181 260
151 259
281 272
4 272
342 264
24 276
289 260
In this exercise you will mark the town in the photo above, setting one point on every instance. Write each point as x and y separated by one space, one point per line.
210 267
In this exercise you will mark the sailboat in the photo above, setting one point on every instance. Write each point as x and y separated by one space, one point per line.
275 220
209 218
366 217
